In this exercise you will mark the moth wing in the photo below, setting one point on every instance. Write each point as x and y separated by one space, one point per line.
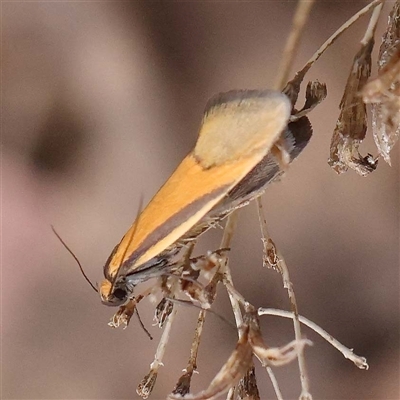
240 123
294 139
238 130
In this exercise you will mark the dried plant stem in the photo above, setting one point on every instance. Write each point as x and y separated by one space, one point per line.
241 300
298 23
229 230
192 364
235 297
146 386
183 386
231 394
305 394
292 42
163 341
336 34
360 362
225 269
274 382
370 32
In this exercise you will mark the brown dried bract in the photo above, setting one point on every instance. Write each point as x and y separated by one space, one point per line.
247 387
292 88
316 92
386 85
270 256
240 361
235 367
390 37
125 312
147 384
351 125
209 261
162 312
202 266
183 385
196 292
384 91
273 356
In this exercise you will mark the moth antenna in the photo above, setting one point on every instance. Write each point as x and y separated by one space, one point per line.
75 258
189 303
130 241
142 324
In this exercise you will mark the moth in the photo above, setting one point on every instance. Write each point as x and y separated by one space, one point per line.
245 140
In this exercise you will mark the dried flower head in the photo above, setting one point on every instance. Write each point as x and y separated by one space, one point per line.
383 92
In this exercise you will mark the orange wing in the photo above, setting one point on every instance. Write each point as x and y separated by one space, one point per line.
238 130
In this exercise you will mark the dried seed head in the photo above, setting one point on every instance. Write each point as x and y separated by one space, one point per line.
247 386
235 367
162 312
123 315
351 125
384 91
182 387
270 255
146 386
316 92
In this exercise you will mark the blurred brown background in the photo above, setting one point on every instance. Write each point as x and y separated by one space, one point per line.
101 100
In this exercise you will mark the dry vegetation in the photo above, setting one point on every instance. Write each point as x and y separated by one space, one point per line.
196 280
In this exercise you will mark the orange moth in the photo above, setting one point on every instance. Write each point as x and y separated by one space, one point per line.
237 133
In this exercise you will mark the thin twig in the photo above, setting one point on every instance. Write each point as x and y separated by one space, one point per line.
146 386
192 365
298 24
163 341
274 382
183 386
231 393
225 269
292 43
359 361
370 32
336 34
241 300
305 394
